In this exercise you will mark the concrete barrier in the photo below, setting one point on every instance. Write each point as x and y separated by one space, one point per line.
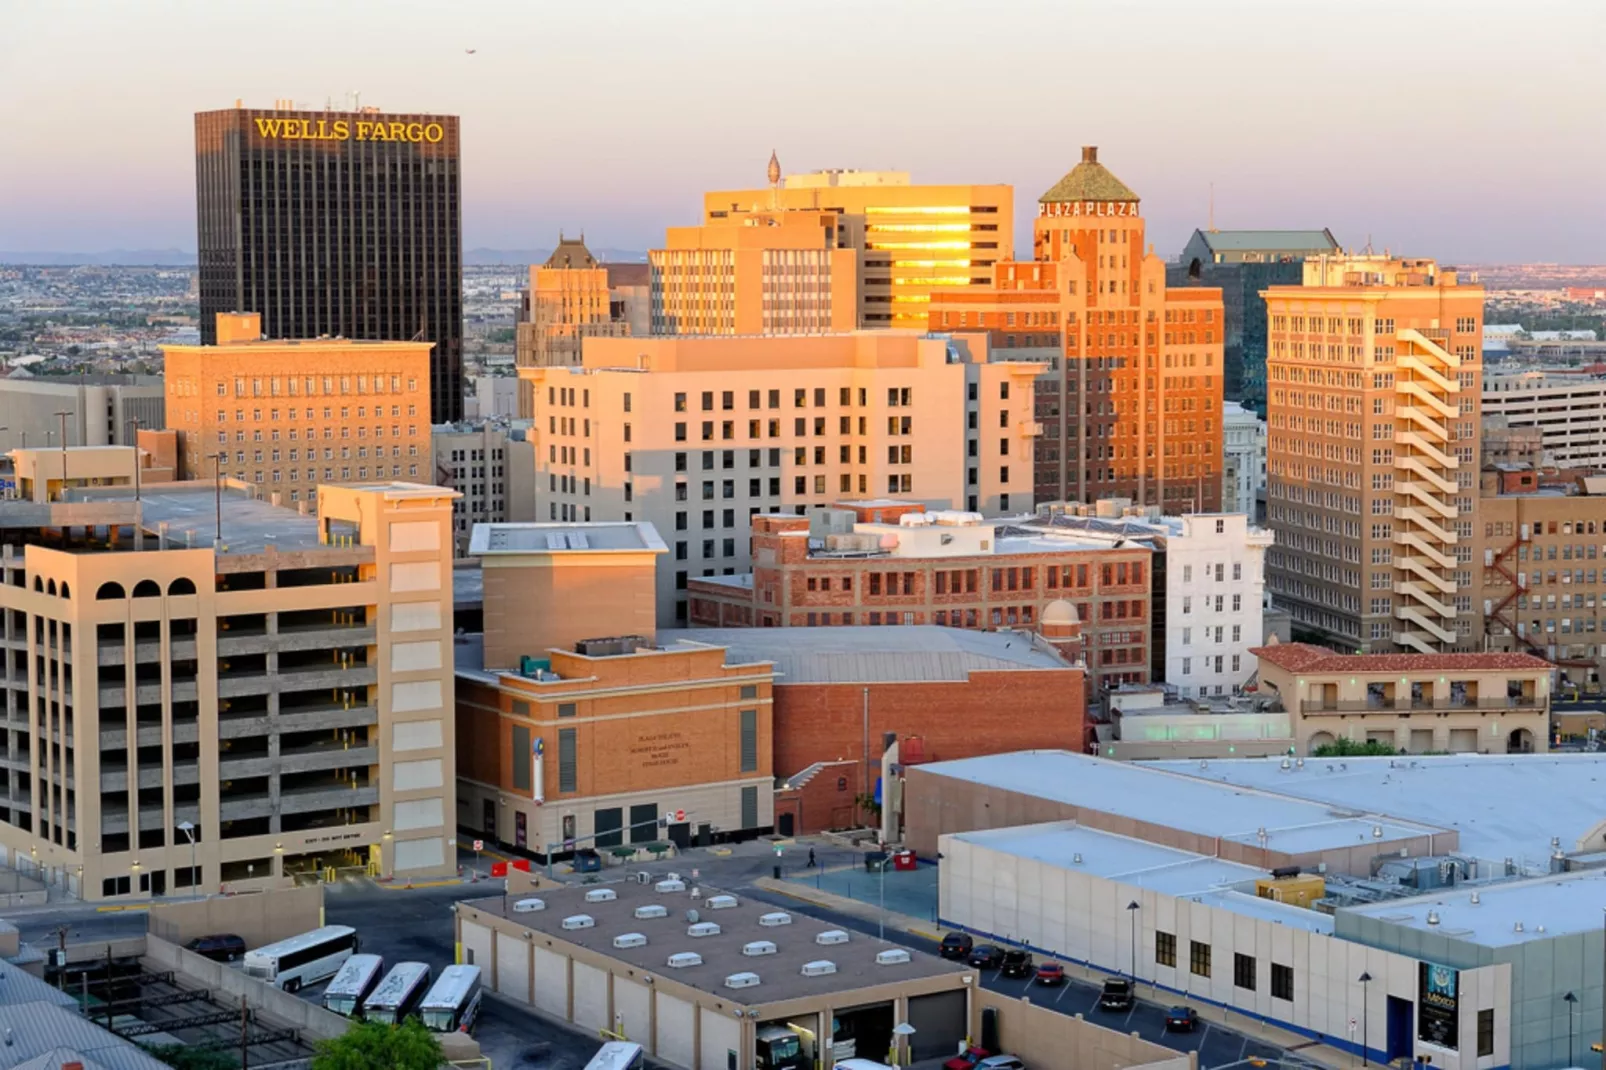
13 900
258 919
1047 1039
228 985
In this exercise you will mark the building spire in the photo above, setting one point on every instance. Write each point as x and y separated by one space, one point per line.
774 173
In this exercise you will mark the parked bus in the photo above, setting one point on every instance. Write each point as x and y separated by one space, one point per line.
398 995
303 960
453 1004
616 1055
353 984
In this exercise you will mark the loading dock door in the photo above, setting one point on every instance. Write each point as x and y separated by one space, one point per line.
863 1033
940 1024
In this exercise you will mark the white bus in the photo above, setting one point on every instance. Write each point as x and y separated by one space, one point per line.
303 960
453 1004
616 1055
398 994
352 985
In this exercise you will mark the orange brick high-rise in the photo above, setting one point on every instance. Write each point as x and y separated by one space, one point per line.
1130 400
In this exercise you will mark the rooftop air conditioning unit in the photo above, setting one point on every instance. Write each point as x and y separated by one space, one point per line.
673 884
683 959
819 968
703 928
891 957
630 940
758 947
652 910
831 936
601 895
529 906
579 921
741 980
778 917
721 902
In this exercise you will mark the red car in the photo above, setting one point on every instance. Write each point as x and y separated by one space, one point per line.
1051 973
968 1060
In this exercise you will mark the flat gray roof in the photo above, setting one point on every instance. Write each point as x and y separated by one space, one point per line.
1503 805
1203 807
564 538
864 655
189 509
1545 907
780 974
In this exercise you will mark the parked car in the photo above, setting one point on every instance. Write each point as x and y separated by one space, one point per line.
956 946
1181 1019
1051 973
1017 963
986 957
1117 995
969 1059
219 947
1001 1062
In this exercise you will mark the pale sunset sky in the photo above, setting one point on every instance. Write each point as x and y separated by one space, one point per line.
1466 130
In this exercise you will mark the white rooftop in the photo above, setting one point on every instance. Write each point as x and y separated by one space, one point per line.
1504 806
861 655
1545 907
1168 799
517 538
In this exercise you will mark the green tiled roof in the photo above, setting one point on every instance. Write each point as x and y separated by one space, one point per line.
1088 181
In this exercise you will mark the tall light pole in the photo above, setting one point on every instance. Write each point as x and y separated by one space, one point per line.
189 834
135 421
217 488
1132 909
1572 1005
62 416
866 778
1365 979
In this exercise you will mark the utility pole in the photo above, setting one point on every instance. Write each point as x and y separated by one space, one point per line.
865 786
61 959
245 1034
62 415
135 422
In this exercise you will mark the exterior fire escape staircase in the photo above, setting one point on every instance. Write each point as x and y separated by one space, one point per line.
1496 613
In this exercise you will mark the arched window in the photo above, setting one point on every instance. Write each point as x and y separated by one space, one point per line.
66 592
109 591
50 587
182 585
1195 269
147 589
38 585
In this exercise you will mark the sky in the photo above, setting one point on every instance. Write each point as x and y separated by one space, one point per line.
1466 130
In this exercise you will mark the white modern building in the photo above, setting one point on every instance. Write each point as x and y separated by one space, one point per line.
1208 599
1568 407
492 465
1243 448
492 397
101 409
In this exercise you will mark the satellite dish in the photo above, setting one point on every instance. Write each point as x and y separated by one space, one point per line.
692 916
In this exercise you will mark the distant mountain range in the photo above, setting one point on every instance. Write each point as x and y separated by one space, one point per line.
181 258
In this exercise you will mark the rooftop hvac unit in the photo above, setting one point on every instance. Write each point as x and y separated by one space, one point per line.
652 910
891 957
681 960
758 947
703 928
831 936
630 940
778 917
741 980
579 921
673 884
528 906
601 895
819 968
721 902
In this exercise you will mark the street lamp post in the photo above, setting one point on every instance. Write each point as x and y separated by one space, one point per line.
1572 1005
189 834
1132 909
217 489
62 416
135 421
1365 979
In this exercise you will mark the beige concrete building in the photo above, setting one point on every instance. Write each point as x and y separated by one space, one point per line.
1373 391
102 409
46 475
697 435
1412 703
492 465
910 238
572 297
292 414
227 707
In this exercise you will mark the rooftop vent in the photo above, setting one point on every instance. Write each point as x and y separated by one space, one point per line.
703 928
1539 928
1077 858
758 947
1377 832
652 910
1433 917
891 957
601 895
683 959
579 921
1476 898
721 902
741 980
831 936
778 917
819 968
630 940
1517 928
528 906
673 884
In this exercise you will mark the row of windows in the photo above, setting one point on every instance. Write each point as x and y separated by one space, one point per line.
312 414
309 386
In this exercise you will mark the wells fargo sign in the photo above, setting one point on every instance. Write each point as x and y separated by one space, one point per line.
1083 208
345 130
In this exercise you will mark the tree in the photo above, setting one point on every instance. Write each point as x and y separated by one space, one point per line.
1348 748
376 1046
183 1057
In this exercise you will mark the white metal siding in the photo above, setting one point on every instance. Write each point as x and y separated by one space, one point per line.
477 946
590 998
513 967
675 1031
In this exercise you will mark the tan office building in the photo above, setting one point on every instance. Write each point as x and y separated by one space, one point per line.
696 435
759 273
229 708
1373 370
291 414
910 238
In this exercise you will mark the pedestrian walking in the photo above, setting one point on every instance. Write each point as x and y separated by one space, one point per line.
811 858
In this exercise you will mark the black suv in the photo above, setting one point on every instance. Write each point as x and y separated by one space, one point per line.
1117 995
219 947
955 945
986 957
1017 964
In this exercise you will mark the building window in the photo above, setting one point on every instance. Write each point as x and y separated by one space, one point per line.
1282 981
749 741
565 709
1486 1032
1243 971
1165 948
749 691
568 776
1198 958
521 757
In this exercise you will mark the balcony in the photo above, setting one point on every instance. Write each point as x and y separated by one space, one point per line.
1445 705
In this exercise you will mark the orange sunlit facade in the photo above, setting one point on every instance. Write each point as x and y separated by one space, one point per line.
1130 398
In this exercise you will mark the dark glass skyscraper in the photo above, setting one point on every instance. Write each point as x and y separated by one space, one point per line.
335 223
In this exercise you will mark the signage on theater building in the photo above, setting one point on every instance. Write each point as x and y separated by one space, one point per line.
1438 1005
1087 208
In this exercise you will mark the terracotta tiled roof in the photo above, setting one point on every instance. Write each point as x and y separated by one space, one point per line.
1306 657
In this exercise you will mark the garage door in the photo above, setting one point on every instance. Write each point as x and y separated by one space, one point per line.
940 1022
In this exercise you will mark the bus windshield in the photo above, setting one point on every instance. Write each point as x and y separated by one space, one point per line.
783 1048
385 1015
440 1019
345 1005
